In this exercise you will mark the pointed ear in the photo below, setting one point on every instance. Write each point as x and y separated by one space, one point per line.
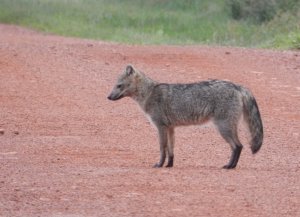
129 70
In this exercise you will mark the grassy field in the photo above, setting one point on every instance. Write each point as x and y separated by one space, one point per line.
153 22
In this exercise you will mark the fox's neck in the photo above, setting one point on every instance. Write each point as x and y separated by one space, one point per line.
144 89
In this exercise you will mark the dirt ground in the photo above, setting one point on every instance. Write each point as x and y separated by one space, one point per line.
65 150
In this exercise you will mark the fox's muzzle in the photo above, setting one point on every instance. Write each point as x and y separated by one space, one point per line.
109 97
114 97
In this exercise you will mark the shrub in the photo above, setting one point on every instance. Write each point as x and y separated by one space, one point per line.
257 11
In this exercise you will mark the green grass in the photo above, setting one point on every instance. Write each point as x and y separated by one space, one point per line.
150 22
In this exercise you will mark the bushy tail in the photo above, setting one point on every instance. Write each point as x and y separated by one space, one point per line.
252 117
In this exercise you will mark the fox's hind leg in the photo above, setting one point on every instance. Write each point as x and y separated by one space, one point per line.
163 141
235 155
229 132
170 149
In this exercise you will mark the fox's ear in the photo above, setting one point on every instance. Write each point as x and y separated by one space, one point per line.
129 70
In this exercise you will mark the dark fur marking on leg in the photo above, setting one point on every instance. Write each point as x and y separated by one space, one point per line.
170 161
235 155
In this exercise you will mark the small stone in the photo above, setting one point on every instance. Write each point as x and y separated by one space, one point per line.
2 131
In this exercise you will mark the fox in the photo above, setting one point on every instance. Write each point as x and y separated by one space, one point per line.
171 105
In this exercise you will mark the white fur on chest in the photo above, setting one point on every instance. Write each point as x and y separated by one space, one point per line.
149 119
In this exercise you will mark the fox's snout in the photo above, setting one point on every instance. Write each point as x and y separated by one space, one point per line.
109 97
114 97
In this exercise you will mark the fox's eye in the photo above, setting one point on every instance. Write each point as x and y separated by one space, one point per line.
119 85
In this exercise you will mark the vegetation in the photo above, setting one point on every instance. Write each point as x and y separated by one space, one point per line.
252 23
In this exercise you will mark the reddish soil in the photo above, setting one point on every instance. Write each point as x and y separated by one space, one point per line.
65 150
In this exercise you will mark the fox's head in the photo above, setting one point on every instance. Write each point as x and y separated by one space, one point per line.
126 84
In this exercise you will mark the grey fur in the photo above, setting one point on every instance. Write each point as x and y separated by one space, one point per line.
172 105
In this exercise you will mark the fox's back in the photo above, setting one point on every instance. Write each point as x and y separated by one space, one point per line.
184 104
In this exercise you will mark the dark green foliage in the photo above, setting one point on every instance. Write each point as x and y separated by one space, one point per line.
257 11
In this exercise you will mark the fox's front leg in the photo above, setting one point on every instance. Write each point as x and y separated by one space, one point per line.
163 141
170 149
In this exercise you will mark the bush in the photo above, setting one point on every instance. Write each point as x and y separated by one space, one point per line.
257 11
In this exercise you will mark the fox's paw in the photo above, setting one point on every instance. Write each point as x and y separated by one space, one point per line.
170 162
228 166
157 165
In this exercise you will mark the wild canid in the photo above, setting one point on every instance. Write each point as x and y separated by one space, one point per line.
172 105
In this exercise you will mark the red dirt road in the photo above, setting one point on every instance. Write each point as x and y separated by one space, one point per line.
68 151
